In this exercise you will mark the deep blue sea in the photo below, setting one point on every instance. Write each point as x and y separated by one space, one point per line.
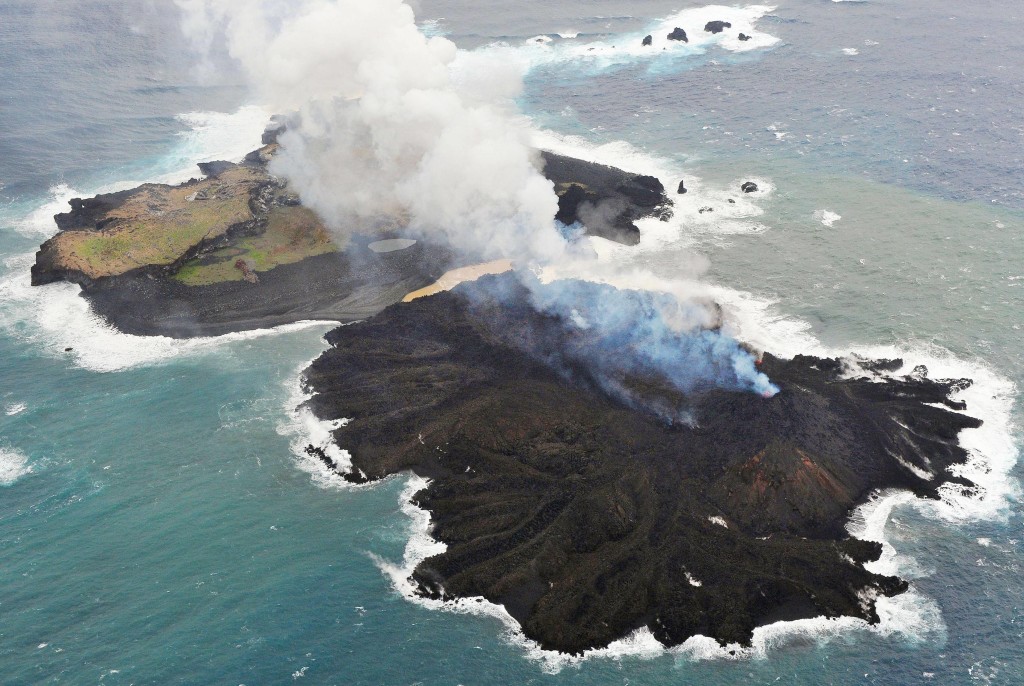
156 524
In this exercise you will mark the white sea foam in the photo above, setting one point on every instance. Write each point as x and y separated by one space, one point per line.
12 409
732 211
851 51
627 48
305 429
743 20
55 317
39 222
213 136
13 466
910 616
827 217
759 321
433 27
210 136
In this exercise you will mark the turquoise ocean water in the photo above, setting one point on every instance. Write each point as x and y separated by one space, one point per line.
156 526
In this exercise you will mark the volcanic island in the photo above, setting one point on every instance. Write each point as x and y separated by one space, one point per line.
562 488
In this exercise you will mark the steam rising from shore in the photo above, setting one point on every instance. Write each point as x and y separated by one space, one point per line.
390 129
385 128
633 336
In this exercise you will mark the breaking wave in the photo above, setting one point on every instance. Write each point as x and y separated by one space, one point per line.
60 323
605 52
13 466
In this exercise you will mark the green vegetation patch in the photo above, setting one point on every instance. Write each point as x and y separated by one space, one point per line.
159 224
292 234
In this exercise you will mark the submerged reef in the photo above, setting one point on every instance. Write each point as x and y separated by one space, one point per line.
589 514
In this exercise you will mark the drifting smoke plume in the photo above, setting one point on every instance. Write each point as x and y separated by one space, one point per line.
648 348
390 125
386 128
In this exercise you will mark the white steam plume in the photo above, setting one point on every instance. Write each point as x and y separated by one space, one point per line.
386 127
390 127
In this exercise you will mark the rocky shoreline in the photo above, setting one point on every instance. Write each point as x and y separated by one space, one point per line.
587 517
587 506
236 251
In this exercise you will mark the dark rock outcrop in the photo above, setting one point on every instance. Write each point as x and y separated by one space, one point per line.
678 34
648 40
682 188
213 169
605 200
749 187
744 37
89 213
717 26
277 126
588 518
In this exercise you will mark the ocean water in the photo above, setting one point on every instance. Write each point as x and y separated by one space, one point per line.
156 524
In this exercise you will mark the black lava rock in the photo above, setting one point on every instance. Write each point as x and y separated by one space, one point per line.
278 125
648 40
744 37
748 187
682 188
216 168
562 503
717 26
569 203
678 34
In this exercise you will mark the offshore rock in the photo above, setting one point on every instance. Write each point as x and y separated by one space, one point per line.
606 201
588 518
749 187
678 34
648 40
717 26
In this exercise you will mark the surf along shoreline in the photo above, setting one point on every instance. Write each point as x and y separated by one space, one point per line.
588 518
236 250
127 300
